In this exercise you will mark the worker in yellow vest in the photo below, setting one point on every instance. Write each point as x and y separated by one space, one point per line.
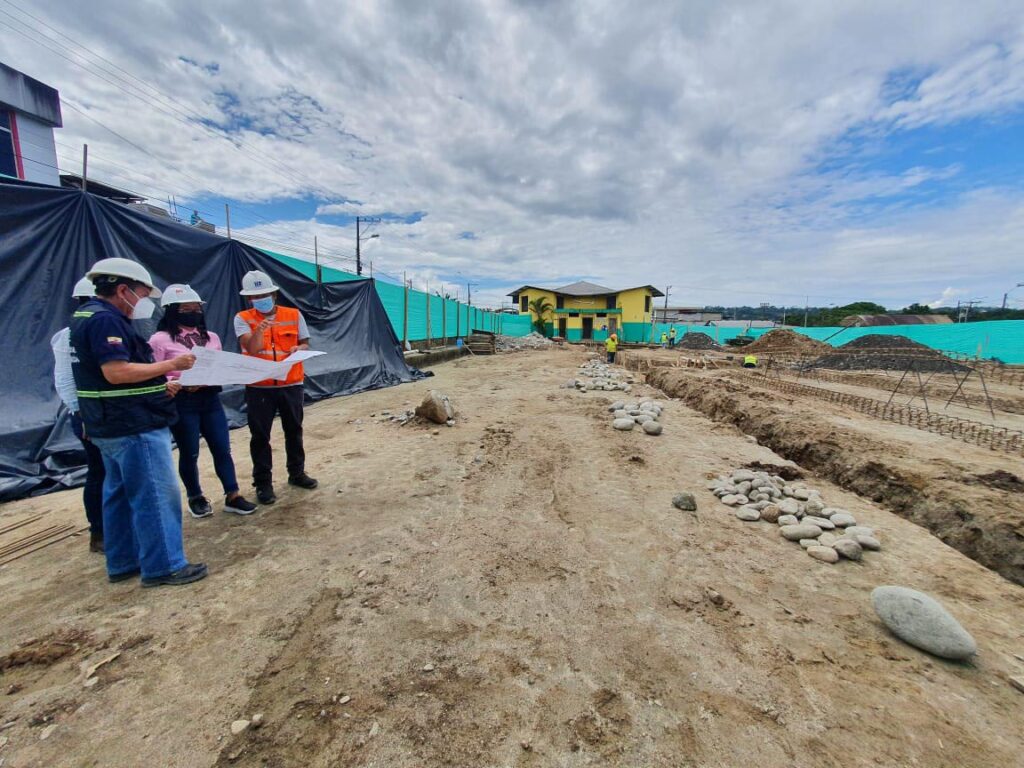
611 345
272 332
750 361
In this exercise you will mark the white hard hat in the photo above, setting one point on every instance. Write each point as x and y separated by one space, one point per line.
256 283
84 289
124 268
176 293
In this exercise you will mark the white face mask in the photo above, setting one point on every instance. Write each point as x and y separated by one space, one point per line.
144 307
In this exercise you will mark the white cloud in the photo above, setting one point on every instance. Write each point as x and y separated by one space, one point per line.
949 295
676 143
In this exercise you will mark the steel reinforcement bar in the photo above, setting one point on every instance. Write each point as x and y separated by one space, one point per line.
985 435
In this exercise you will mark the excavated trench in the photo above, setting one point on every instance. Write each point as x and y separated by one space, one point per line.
966 511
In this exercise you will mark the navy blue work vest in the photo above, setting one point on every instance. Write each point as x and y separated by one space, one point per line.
116 410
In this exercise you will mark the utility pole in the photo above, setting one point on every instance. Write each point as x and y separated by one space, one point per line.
360 220
427 293
227 218
1005 295
85 165
807 303
469 308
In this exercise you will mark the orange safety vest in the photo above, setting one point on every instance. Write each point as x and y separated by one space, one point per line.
277 341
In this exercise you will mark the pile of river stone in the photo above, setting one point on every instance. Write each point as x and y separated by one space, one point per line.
603 377
646 414
827 533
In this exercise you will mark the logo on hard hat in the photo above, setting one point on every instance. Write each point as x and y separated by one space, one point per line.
257 283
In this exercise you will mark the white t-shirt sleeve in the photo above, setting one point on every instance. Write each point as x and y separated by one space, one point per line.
63 376
241 327
303 328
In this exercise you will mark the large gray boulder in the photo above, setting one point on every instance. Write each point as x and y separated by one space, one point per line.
920 620
623 424
436 407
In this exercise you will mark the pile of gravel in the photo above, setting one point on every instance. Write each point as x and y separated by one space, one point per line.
697 340
885 352
827 533
646 414
515 343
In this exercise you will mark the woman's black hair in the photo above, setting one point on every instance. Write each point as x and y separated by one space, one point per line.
171 323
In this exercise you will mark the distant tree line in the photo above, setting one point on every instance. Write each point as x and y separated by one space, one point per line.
833 316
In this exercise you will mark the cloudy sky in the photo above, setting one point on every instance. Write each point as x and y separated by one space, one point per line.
739 151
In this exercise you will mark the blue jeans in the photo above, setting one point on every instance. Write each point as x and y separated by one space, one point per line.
141 505
200 413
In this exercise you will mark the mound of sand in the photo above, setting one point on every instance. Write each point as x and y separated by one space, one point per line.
785 340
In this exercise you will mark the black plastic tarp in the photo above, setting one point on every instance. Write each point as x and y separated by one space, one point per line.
49 237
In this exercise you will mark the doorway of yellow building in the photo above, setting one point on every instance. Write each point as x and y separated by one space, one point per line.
588 327
561 326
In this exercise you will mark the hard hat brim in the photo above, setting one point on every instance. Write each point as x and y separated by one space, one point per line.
259 291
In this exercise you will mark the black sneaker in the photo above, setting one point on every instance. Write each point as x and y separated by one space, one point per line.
239 505
265 494
188 574
114 578
96 542
303 481
200 506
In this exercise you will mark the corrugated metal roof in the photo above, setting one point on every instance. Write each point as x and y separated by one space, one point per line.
862 321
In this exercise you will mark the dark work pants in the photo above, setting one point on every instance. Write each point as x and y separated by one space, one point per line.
262 404
611 358
92 494
200 413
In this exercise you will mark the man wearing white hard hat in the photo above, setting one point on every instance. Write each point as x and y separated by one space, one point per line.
272 332
64 383
125 402
200 413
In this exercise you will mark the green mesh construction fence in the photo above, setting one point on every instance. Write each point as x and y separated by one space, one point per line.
995 339
990 339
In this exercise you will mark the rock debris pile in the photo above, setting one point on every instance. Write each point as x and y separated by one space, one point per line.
515 343
603 377
646 414
827 533
697 340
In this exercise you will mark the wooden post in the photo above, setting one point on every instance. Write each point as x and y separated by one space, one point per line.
227 218
405 313
444 319
85 165
428 315
316 261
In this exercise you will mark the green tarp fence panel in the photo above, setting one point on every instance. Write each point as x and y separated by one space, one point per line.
447 318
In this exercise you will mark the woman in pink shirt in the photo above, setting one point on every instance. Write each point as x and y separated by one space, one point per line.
200 412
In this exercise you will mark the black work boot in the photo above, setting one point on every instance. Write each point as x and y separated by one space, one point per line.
265 494
96 542
303 481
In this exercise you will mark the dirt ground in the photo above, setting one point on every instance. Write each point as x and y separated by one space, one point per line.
517 590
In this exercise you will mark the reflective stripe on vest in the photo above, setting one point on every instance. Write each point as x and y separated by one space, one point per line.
124 392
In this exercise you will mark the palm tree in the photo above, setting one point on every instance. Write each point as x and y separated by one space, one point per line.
541 307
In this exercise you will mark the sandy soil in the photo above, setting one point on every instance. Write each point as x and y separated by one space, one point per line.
514 591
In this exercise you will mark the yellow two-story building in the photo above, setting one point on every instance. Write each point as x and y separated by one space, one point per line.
584 310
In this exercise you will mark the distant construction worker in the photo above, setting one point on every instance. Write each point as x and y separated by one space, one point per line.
672 337
126 406
64 382
750 361
273 332
664 339
611 345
